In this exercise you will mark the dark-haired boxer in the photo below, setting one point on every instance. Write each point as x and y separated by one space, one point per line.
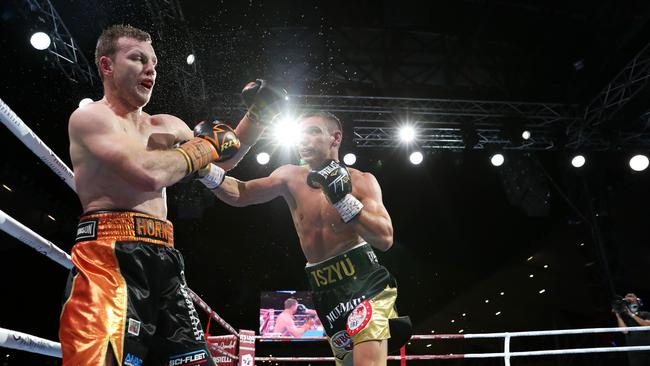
339 217
127 300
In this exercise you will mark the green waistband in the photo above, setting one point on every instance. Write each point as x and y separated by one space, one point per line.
342 268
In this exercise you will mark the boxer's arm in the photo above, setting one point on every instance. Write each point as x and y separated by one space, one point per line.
298 331
98 135
262 100
245 193
290 327
639 320
621 323
373 223
247 131
176 131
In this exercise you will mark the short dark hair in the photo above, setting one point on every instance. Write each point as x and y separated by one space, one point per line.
288 303
334 120
107 42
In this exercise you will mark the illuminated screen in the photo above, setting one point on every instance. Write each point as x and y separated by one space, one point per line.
289 314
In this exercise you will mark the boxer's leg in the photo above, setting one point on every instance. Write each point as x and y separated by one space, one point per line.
370 353
179 327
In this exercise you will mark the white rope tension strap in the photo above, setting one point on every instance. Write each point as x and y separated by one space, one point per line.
29 138
25 342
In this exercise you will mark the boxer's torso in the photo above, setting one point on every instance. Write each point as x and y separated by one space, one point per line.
99 187
321 231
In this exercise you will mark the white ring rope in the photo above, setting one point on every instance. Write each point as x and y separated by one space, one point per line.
469 355
26 342
483 335
29 138
29 237
29 343
580 350
534 333
507 354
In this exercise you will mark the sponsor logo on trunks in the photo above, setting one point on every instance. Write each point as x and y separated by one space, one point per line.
87 230
191 310
247 360
359 318
334 272
191 358
131 360
342 341
342 309
134 327
146 227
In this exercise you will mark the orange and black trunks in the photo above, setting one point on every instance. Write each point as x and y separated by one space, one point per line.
124 226
127 295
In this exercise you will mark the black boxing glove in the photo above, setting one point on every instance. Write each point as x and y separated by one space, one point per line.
264 101
221 136
301 309
214 141
335 182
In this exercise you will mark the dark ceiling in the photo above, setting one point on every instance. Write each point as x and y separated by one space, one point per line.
464 230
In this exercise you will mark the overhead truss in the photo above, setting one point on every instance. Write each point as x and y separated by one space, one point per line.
67 57
626 85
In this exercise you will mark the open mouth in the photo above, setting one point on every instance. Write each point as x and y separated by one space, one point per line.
305 151
147 84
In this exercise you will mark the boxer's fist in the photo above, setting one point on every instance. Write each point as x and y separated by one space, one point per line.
222 138
213 141
263 100
333 178
335 182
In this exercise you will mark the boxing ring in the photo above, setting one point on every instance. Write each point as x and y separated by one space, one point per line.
238 346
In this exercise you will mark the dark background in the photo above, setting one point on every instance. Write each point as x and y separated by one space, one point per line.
461 235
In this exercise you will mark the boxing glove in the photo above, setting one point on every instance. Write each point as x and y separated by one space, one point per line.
263 100
335 182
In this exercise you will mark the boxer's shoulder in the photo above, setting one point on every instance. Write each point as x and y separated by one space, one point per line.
289 171
356 173
164 120
95 117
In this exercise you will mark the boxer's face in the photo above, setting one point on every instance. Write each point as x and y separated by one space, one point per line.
318 140
631 299
133 70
